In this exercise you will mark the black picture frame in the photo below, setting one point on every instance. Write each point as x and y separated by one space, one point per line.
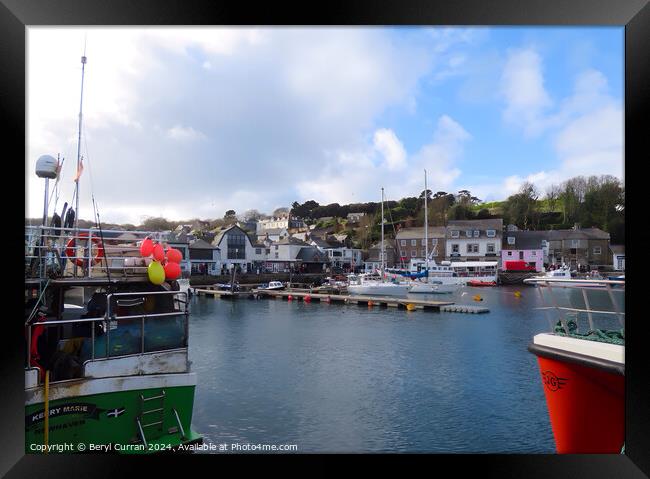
15 15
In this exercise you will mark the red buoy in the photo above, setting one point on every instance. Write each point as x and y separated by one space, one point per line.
307 299
289 298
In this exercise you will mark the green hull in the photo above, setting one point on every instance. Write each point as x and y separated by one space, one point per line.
110 419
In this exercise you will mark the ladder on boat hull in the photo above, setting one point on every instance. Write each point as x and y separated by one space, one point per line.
151 420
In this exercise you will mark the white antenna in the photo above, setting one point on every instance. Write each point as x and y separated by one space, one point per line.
426 226
83 65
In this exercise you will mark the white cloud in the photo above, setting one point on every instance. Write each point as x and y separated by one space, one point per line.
356 176
387 143
263 102
185 133
523 90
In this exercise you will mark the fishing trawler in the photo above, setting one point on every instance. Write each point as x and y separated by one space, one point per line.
107 338
582 366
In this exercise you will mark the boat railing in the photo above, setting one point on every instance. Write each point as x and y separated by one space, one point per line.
550 299
85 252
111 322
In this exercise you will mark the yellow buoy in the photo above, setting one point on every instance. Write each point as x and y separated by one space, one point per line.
517 294
410 307
477 297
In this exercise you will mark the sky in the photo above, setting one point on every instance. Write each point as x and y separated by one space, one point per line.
192 122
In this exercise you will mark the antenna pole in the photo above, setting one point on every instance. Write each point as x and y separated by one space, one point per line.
83 65
426 225
382 235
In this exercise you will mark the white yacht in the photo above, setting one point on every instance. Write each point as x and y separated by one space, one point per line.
435 279
371 284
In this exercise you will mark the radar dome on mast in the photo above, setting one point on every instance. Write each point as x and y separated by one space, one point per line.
46 167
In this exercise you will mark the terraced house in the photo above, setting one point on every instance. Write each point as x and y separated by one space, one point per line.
474 240
411 243
586 248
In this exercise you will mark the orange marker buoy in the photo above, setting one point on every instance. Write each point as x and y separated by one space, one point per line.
307 299
370 304
327 300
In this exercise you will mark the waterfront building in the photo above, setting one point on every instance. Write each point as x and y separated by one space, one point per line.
204 258
528 246
411 243
474 240
374 256
237 249
586 248
618 256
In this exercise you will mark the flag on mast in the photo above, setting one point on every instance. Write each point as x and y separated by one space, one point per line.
79 170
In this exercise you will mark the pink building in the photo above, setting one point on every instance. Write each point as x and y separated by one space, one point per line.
532 257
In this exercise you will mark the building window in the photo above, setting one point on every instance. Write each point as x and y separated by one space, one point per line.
468 233
472 248
236 246
509 253
511 240
258 250
477 233
490 233
414 254
403 242
597 250
533 253
434 241
423 253
574 243
455 233
414 242
454 248
424 242
490 247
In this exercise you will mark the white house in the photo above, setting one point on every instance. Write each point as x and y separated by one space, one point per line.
237 249
618 256
474 240
286 222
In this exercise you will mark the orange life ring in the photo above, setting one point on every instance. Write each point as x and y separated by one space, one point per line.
70 252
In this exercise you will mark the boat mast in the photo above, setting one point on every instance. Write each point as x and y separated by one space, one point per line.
382 234
76 216
426 226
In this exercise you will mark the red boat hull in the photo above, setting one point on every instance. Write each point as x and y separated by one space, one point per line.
586 406
481 283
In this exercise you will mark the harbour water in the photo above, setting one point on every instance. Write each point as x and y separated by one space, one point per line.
343 378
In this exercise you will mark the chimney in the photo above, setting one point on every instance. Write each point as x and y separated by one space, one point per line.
576 226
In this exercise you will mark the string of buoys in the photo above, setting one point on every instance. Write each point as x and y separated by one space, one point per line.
165 264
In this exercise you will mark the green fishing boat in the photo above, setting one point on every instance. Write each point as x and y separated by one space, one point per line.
107 365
